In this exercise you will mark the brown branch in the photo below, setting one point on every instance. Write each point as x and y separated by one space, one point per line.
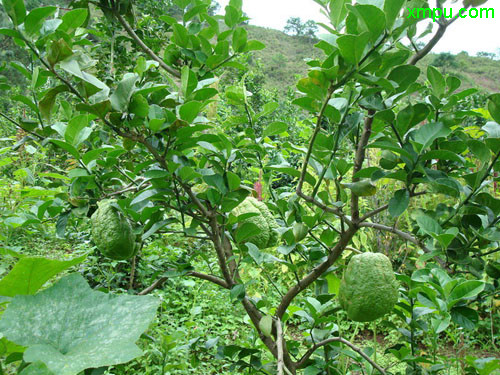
144 47
203 276
405 236
316 272
310 352
359 158
385 207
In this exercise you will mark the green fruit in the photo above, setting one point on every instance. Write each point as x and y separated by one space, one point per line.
363 188
300 231
388 160
493 270
268 236
368 289
112 232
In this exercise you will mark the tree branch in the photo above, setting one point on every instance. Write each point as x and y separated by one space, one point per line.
143 46
203 276
405 236
310 352
359 158
316 272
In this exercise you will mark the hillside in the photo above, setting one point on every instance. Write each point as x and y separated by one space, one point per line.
283 59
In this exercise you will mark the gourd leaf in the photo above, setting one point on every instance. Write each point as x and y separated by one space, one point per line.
30 273
77 328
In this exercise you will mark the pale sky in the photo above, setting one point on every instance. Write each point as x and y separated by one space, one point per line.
471 35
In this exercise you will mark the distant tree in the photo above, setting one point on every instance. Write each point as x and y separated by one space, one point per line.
295 26
310 29
489 55
445 60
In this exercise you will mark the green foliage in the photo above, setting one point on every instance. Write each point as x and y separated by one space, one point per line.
368 289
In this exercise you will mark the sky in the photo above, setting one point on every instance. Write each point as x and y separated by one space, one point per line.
471 35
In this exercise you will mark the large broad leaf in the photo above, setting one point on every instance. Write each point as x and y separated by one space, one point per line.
69 327
29 274
494 107
467 289
428 133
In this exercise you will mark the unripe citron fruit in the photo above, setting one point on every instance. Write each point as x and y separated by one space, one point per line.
363 188
368 289
267 236
388 160
112 232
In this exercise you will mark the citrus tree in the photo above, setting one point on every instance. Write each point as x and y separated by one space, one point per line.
133 101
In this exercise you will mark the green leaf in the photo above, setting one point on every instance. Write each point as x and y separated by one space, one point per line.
73 20
428 225
237 292
404 76
246 231
372 18
36 368
35 18
30 273
77 130
77 328
181 35
188 81
254 45
392 10
240 37
233 181
428 133
15 10
465 317
67 147
71 66
467 289
232 16
58 51
494 107
437 81
275 128
190 111
399 203
47 103
121 97
352 47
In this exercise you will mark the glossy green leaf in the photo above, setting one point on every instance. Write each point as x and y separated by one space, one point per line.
77 328
240 37
58 51
190 110
35 18
120 99
437 81
47 103
73 20
399 203
16 10
78 130
352 47
494 107
275 128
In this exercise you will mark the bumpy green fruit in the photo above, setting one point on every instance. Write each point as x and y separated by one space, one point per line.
368 289
268 237
112 232
363 188
493 270
388 160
